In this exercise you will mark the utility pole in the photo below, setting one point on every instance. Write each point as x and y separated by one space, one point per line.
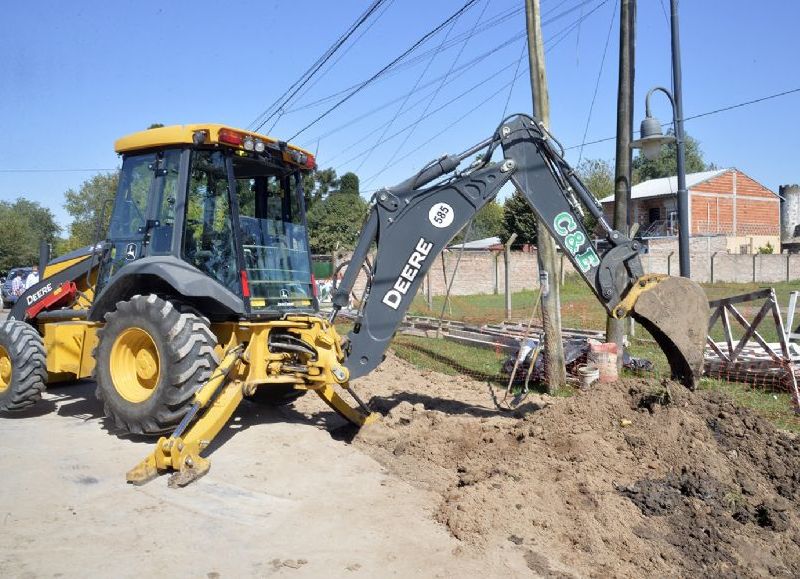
555 369
615 329
683 195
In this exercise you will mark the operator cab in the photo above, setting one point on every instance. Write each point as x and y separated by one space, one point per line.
226 202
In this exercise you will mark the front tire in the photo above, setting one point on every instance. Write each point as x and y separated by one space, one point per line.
150 360
23 366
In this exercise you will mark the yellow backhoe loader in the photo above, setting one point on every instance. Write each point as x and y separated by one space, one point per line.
201 292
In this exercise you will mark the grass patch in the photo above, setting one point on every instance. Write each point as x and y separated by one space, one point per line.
449 357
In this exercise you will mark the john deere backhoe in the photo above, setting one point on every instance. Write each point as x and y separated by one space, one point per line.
202 293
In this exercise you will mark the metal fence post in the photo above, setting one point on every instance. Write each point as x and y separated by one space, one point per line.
787 267
428 291
496 272
669 262
713 255
754 267
507 261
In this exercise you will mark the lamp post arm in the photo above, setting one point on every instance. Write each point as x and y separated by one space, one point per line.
671 102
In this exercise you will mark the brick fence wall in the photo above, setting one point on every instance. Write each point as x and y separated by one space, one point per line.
484 272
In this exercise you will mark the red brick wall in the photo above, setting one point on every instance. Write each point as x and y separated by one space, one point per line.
712 207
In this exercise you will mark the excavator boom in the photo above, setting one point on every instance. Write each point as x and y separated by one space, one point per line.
412 223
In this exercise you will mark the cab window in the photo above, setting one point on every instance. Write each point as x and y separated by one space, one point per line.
208 242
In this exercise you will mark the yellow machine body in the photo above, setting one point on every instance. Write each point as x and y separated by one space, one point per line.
248 364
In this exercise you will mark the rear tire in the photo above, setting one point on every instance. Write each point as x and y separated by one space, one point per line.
277 395
150 360
23 366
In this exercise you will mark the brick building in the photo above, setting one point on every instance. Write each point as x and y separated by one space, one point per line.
724 202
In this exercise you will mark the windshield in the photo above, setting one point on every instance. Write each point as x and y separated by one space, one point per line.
274 238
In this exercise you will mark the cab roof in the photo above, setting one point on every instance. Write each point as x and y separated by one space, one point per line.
211 134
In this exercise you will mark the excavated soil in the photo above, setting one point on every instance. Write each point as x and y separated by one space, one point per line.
627 479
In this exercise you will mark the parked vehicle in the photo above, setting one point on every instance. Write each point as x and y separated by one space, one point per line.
9 299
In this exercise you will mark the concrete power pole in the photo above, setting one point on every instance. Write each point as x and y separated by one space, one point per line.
555 369
615 329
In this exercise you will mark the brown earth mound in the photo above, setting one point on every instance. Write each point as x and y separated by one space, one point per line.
634 478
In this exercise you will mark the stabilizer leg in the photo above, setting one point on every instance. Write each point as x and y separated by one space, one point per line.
181 452
359 416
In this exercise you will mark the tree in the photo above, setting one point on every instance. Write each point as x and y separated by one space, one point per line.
318 184
598 176
348 184
155 126
24 225
95 197
336 222
488 222
666 164
518 217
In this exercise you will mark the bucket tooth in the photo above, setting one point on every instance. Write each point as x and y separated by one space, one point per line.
675 311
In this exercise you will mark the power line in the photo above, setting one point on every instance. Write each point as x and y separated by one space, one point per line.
462 69
599 75
408 127
700 115
361 86
490 23
562 33
460 119
410 62
306 76
514 79
388 125
438 88
342 54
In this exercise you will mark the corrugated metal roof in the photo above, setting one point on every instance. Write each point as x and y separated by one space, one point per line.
478 243
667 185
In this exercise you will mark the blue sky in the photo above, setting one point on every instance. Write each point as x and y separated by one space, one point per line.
78 75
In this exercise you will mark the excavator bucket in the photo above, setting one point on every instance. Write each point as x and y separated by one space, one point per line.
675 311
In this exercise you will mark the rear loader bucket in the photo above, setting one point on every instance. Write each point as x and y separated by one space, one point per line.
675 311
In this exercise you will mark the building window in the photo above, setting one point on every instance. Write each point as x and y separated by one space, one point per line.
672 225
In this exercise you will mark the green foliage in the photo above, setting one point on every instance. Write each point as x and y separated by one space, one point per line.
24 225
518 217
488 222
348 184
86 205
666 164
598 176
318 184
155 126
336 222
766 249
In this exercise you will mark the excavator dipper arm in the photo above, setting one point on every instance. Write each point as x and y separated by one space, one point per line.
411 225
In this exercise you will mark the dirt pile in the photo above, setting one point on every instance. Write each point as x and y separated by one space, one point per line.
628 479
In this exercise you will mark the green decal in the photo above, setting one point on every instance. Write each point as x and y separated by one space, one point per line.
564 223
574 241
587 260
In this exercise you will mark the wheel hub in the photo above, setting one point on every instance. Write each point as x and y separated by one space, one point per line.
134 364
146 365
5 369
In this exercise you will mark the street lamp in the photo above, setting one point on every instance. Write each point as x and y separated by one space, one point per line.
652 138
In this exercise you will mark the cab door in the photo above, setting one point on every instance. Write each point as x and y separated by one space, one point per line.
142 221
